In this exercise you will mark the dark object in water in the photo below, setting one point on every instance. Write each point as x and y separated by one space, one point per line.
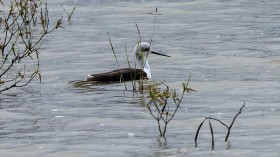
125 74
141 52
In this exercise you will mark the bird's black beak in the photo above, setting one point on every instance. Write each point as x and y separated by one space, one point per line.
153 52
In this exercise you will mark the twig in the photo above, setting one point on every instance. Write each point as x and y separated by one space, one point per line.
132 73
69 14
212 134
113 50
229 128
222 123
197 132
159 102
154 27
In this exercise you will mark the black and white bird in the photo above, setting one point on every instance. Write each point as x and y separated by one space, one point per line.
141 50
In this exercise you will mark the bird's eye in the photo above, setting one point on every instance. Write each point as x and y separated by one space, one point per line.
145 49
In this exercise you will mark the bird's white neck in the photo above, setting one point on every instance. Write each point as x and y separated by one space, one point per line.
144 64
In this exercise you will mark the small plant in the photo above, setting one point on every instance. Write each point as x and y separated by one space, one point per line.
69 14
160 107
23 26
211 128
113 50
137 75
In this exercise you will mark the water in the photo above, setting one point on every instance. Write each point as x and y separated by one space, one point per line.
231 48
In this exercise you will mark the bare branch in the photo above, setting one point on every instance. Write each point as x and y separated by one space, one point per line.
212 134
229 128
197 131
20 41
211 128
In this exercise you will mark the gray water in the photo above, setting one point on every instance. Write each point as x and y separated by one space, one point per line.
231 48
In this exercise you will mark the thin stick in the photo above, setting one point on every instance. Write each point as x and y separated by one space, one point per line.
197 132
219 121
141 86
229 128
121 78
131 75
154 27
211 128
69 14
212 133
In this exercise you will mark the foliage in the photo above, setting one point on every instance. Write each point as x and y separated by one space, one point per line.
160 108
23 25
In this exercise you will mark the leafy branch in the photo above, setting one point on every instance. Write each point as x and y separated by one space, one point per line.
160 108
20 41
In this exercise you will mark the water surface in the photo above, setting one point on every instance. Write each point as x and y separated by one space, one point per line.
231 48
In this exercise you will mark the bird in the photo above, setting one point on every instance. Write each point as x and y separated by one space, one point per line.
141 51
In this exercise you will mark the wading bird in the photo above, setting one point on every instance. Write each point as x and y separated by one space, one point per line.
141 51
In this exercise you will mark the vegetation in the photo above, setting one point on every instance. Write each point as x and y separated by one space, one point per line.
23 25
159 104
211 128
142 81
69 14
163 104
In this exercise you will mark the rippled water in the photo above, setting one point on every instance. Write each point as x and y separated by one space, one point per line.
231 48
